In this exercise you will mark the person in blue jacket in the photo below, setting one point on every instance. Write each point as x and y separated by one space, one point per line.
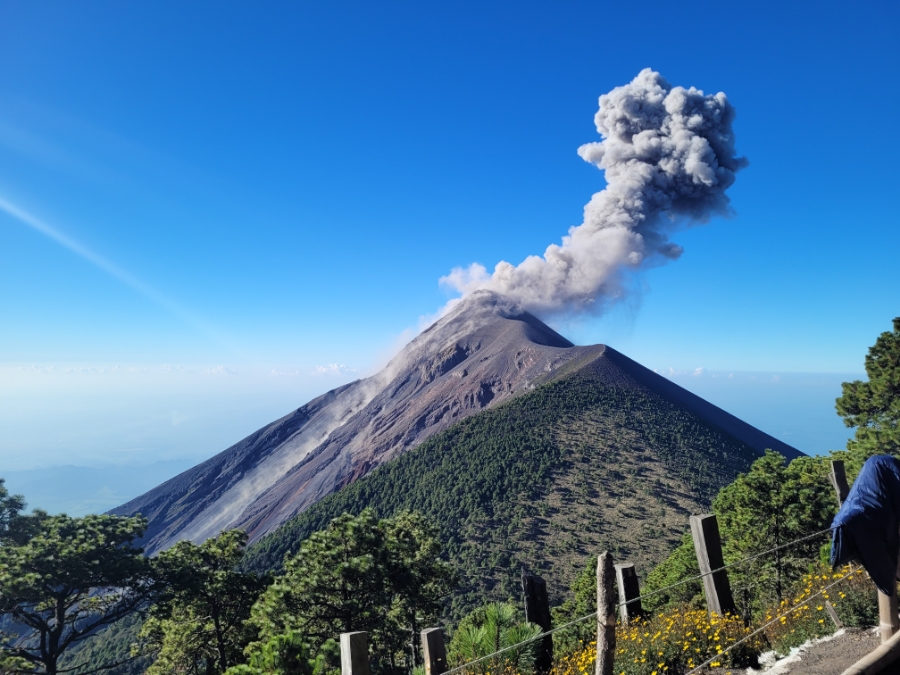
867 528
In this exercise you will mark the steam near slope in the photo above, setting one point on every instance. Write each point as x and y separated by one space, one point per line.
668 154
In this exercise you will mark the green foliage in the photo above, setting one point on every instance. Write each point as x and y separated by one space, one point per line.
803 616
358 574
857 603
681 564
873 407
111 645
575 466
198 624
678 639
582 601
490 628
772 504
285 654
73 576
16 528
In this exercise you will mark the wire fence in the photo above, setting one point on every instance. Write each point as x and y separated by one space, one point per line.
682 582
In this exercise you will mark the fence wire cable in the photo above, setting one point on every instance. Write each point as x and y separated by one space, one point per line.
628 602
766 625
729 565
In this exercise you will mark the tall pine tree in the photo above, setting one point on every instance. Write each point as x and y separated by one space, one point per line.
873 407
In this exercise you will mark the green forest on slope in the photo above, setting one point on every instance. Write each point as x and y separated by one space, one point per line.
541 483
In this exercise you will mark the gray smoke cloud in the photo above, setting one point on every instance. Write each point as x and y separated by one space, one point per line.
668 154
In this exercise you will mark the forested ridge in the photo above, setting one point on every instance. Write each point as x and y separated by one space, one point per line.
540 483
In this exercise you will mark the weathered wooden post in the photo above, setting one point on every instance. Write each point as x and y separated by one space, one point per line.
606 616
835 619
355 653
708 547
435 651
537 610
838 478
888 621
629 592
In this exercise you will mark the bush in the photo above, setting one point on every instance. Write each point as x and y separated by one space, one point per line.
490 628
286 654
854 600
680 638
670 642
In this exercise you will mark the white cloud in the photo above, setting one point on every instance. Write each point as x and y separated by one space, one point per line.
218 370
334 369
275 372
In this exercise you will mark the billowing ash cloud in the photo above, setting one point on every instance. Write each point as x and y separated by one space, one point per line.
668 154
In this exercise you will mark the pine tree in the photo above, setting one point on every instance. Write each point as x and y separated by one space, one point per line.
198 624
358 574
774 503
873 407
770 506
71 577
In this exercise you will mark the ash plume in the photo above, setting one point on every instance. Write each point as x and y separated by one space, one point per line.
668 155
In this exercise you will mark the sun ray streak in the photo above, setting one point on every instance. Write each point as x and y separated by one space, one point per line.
110 268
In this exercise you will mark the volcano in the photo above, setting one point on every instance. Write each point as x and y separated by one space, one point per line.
486 351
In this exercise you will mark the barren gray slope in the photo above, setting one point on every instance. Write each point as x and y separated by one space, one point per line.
172 505
483 352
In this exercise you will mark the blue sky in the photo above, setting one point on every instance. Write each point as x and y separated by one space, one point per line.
206 206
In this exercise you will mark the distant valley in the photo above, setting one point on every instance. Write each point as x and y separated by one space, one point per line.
79 490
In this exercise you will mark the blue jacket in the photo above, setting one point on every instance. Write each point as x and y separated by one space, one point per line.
867 528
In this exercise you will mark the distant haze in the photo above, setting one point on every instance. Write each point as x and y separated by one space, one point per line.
797 408
668 155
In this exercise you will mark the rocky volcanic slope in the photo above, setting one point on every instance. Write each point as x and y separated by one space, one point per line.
481 354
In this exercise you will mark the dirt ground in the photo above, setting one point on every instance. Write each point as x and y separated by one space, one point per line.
829 657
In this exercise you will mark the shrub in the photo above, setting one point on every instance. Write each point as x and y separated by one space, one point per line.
681 638
490 628
670 642
854 599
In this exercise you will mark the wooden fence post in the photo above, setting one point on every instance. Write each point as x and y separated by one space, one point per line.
435 651
708 547
537 610
629 591
606 616
838 478
887 615
355 653
888 621
835 619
